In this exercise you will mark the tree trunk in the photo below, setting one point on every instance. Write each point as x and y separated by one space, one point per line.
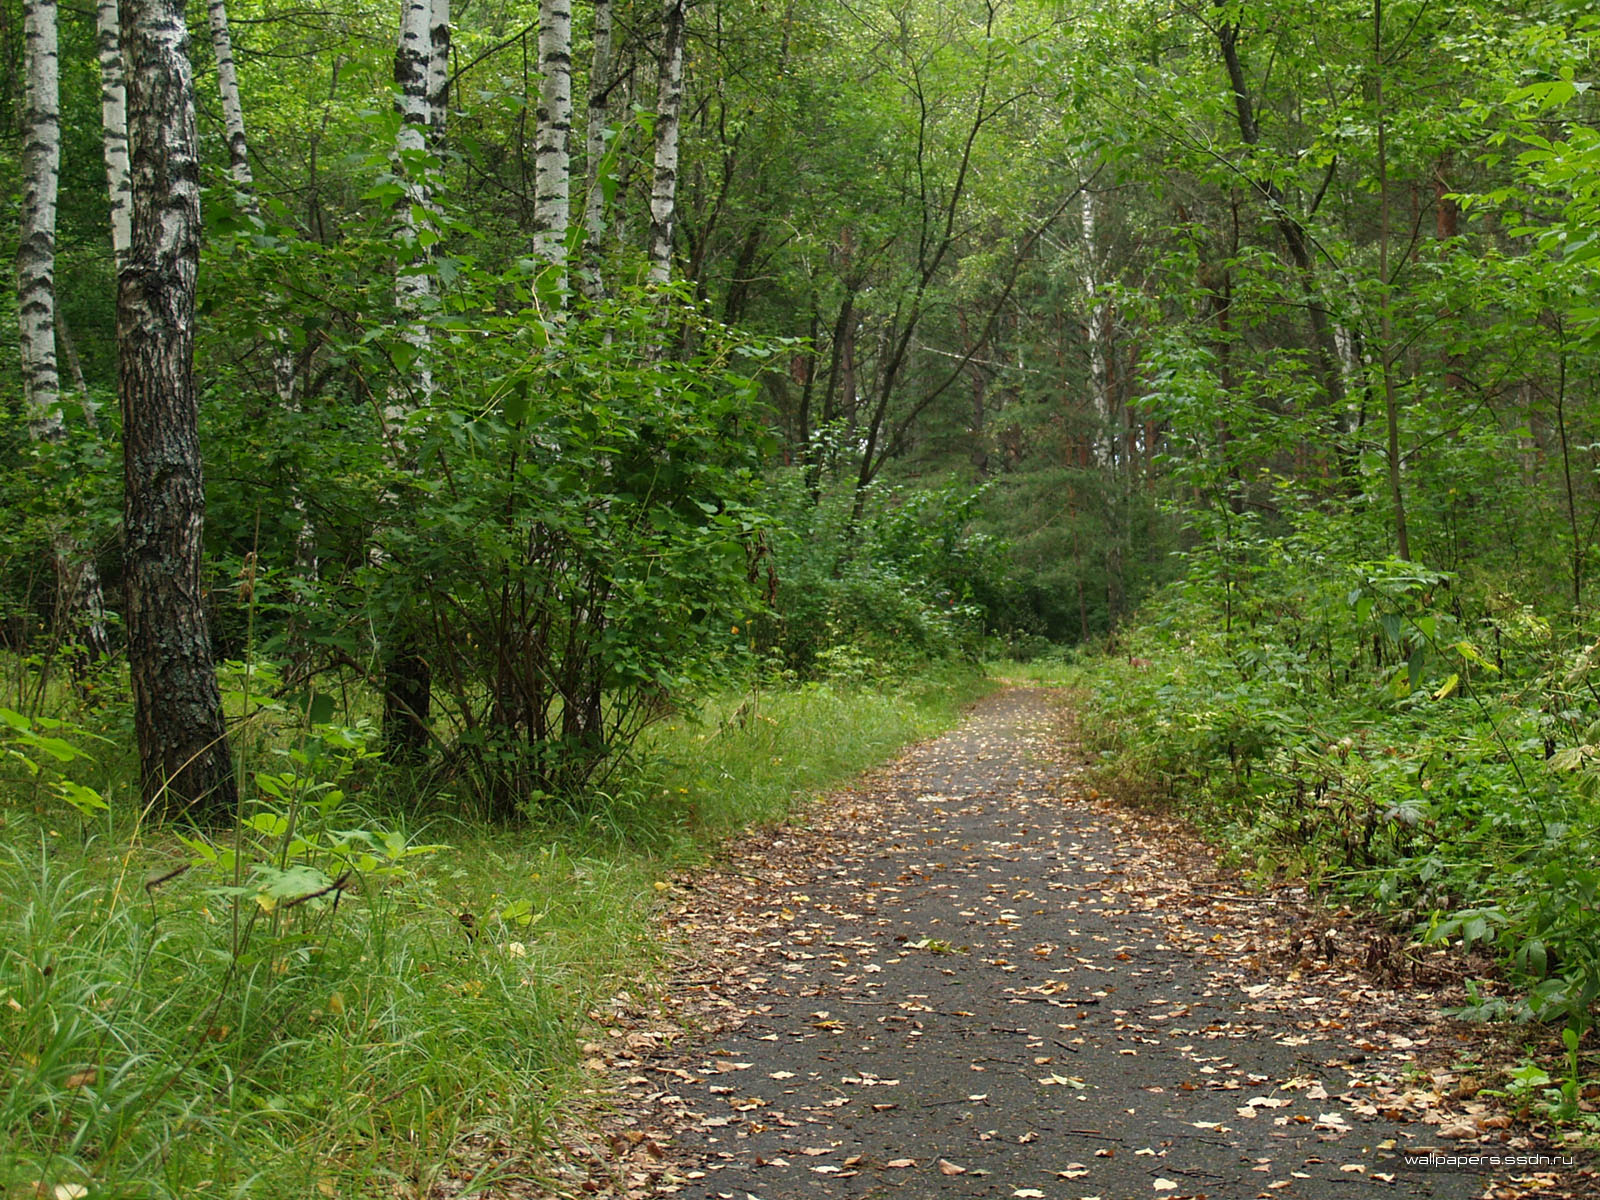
664 190
1391 400
1094 328
407 702
413 281
552 204
80 604
183 745
232 107
438 70
1295 238
36 243
114 120
596 141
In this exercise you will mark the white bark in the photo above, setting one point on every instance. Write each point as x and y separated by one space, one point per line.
114 121
552 205
1094 332
438 68
669 100
413 281
232 109
79 598
597 127
36 246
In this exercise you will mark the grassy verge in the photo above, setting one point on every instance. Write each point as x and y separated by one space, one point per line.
180 1019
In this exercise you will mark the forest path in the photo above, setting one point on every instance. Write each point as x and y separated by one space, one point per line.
969 975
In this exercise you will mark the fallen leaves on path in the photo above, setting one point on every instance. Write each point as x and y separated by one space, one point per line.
971 915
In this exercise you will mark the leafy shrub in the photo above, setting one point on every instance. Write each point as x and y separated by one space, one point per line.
904 584
1382 729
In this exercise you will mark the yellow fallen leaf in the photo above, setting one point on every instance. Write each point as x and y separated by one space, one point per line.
946 1167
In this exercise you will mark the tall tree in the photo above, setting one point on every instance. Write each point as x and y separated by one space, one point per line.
1297 240
438 69
408 680
183 745
1391 402
114 125
36 247
552 204
669 100
597 132
79 601
413 280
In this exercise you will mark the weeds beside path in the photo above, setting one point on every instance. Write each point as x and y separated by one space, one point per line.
971 976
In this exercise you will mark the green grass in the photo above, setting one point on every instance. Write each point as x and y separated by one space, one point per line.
202 1035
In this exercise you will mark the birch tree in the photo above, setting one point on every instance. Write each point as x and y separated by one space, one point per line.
420 79
36 246
413 281
79 599
183 744
596 131
114 125
669 100
438 69
552 182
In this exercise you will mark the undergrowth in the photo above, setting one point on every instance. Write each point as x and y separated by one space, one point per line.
353 993
1424 744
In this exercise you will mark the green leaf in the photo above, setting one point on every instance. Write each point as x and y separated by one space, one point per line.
85 799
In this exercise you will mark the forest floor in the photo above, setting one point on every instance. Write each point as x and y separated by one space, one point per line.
972 975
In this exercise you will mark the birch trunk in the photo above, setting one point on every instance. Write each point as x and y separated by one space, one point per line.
36 245
438 69
552 205
596 130
232 108
669 99
183 747
114 122
413 281
80 602
407 674
1094 331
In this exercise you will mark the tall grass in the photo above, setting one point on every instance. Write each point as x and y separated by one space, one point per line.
189 1035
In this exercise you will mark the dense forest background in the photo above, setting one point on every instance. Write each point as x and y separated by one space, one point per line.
1140 277
560 370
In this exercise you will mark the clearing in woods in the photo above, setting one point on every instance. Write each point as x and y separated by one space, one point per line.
970 975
